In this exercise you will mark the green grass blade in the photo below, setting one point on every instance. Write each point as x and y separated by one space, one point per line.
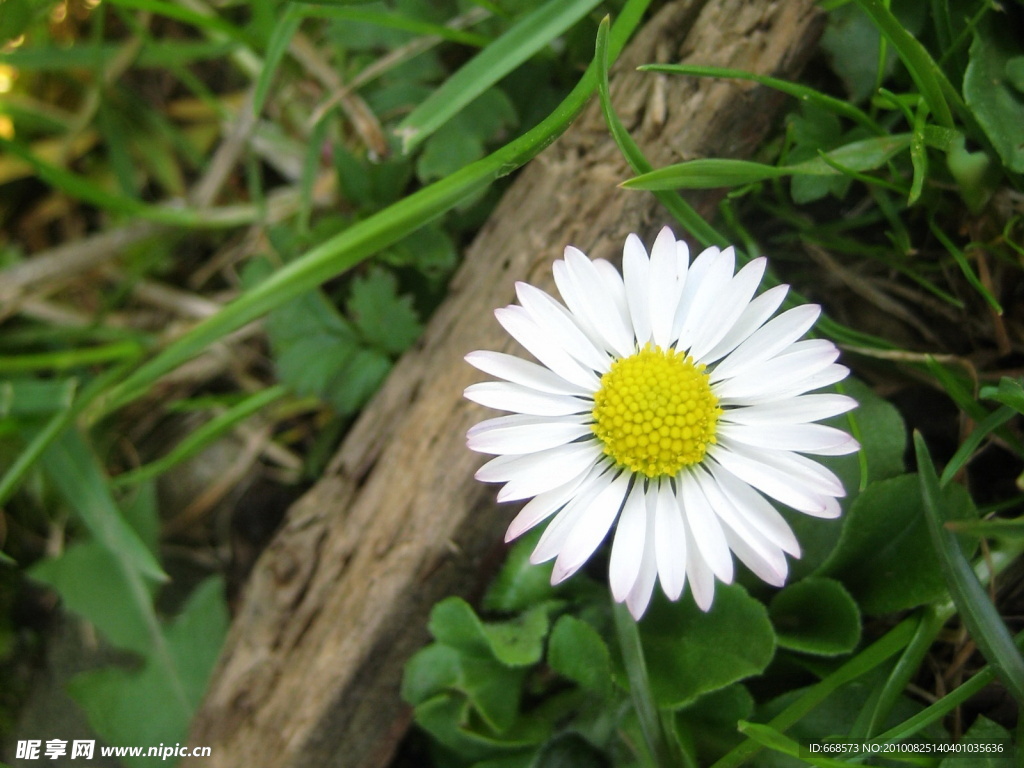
209 23
965 267
73 470
202 437
925 72
372 234
972 601
683 212
801 92
966 450
712 173
527 36
277 46
397 21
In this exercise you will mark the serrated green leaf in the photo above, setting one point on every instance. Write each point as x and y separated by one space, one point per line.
997 105
816 616
884 556
690 653
578 652
385 319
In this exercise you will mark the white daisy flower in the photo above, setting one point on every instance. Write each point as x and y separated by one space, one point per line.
668 404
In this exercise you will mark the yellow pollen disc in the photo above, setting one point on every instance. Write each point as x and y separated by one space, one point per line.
655 412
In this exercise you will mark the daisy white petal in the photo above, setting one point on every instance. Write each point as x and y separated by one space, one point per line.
558 530
802 438
705 528
519 371
776 375
556 321
663 287
505 396
522 434
534 473
768 563
590 531
670 541
723 316
714 285
753 317
767 341
578 278
635 271
752 510
700 575
523 329
696 282
639 596
543 505
796 410
629 543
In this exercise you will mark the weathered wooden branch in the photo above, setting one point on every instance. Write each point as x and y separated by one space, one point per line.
339 601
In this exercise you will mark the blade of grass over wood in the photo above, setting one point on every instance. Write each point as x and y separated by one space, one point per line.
712 173
802 92
527 36
980 616
683 212
348 248
203 436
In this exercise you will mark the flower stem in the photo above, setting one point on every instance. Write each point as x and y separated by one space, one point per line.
665 751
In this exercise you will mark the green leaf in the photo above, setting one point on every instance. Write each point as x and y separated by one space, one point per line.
35 397
1010 392
690 653
816 616
991 95
430 671
196 635
91 584
386 320
578 652
569 750
113 698
520 584
449 719
463 138
516 643
972 601
779 742
71 467
527 36
884 556
993 736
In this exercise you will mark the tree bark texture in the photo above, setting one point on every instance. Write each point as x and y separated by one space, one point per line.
339 601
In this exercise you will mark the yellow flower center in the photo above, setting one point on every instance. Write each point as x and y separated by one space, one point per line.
655 412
